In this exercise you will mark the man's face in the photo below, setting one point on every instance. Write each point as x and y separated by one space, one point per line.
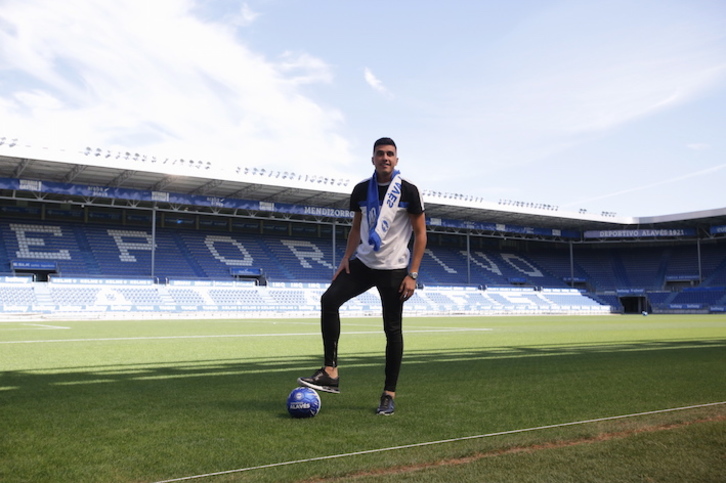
385 161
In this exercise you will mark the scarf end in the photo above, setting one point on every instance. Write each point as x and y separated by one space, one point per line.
375 241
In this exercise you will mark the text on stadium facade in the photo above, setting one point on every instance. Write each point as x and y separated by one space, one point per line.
640 233
331 212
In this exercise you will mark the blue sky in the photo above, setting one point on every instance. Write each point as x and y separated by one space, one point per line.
615 106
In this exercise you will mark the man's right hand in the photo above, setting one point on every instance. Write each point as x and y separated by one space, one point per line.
343 266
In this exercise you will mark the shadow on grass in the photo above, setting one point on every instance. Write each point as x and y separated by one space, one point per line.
272 369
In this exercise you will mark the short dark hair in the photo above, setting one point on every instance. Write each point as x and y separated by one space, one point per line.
384 142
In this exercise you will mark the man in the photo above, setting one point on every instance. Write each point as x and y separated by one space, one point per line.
387 210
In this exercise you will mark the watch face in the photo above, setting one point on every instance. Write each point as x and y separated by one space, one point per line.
413 275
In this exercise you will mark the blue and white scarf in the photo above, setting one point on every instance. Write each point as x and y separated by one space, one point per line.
380 215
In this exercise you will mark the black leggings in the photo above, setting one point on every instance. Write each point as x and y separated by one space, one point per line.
349 285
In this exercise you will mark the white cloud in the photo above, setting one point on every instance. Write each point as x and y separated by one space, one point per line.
649 186
303 68
150 76
572 72
37 100
374 82
594 89
246 16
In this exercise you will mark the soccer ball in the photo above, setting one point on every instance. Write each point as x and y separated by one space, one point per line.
303 402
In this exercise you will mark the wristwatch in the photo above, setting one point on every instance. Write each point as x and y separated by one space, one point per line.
413 275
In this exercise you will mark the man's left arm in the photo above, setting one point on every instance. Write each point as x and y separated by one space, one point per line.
418 223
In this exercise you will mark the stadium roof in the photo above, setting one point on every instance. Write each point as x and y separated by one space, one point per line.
131 171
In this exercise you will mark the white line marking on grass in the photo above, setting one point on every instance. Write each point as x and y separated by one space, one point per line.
223 336
167 337
34 327
452 440
46 326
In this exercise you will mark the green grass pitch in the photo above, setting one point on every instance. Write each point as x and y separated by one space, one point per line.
158 400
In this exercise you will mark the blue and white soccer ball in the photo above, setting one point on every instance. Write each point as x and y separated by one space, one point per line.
303 402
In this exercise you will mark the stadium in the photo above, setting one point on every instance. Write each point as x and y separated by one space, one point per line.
156 313
96 232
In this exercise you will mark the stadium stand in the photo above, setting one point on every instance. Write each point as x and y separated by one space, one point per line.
10 294
101 268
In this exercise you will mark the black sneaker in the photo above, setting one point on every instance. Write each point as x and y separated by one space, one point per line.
320 381
387 406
